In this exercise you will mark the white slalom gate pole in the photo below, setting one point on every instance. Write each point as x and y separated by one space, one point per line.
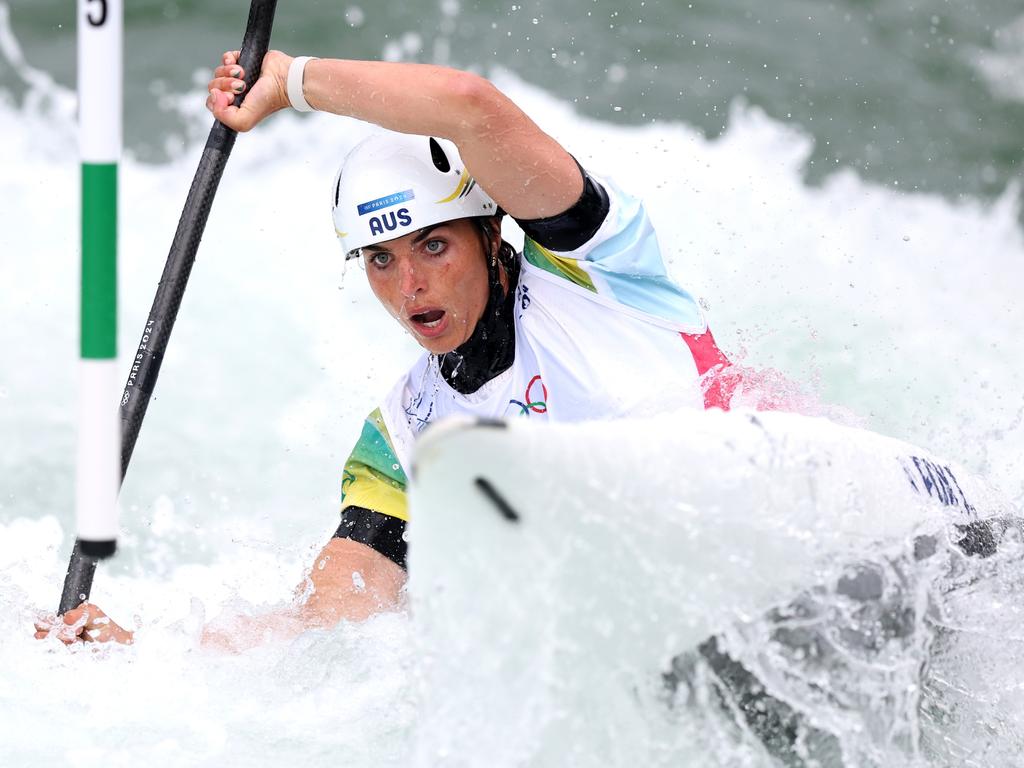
98 474
99 53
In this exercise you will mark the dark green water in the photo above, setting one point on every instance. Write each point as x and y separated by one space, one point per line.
891 89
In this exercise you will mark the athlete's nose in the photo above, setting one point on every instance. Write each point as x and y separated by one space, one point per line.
410 281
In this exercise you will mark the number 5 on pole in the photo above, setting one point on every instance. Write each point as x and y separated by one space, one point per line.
98 470
96 18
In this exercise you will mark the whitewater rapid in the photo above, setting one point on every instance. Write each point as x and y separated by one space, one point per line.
901 308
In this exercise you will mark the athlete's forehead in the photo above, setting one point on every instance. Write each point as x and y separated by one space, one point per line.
455 229
413 238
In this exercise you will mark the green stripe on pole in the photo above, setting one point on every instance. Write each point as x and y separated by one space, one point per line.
99 260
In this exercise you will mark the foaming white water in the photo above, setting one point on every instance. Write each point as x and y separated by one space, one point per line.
899 307
799 544
170 701
1003 67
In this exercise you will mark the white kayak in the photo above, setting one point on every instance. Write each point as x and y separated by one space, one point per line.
557 570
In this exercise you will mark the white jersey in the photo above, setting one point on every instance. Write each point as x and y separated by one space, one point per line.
601 332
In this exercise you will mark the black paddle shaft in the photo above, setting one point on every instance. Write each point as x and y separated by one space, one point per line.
157 332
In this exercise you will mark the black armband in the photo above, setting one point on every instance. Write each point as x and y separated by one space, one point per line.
571 229
379 532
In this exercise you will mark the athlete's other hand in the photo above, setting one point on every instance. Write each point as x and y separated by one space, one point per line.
267 96
87 623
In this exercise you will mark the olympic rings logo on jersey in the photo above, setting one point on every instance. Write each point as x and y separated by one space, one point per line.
531 405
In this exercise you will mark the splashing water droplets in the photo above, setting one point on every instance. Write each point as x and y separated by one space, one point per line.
354 16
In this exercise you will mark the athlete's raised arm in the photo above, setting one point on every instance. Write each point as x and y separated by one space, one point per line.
526 171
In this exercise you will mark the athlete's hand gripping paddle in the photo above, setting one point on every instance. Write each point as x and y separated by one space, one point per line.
146 363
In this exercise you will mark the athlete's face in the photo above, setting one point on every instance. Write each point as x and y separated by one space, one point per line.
434 282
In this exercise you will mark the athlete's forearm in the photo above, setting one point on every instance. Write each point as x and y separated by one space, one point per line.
410 98
348 582
239 633
526 171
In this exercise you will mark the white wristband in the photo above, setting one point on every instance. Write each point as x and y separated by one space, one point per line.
295 74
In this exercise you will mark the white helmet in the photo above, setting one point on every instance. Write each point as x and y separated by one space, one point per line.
392 184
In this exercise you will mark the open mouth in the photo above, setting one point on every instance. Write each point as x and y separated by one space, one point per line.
429 319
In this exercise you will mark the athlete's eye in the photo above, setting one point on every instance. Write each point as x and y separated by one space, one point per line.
379 259
434 247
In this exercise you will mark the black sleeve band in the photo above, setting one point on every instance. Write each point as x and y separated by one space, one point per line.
569 230
382 533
